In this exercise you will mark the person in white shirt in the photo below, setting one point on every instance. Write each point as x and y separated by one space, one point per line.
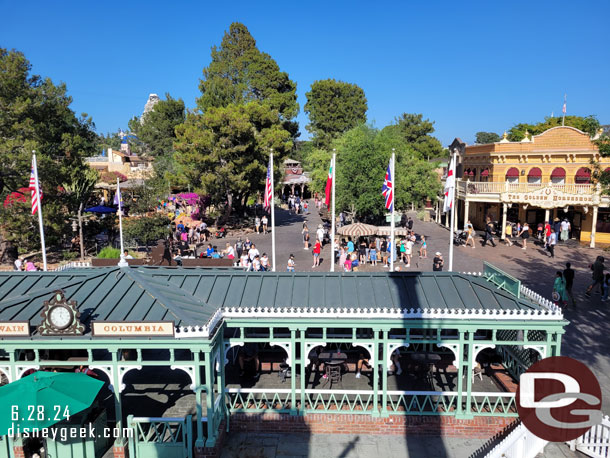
253 252
256 264
408 251
565 230
291 263
18 264
320 234
244 260
265 262
265 221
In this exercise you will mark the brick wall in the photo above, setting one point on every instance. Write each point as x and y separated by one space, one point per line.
479 427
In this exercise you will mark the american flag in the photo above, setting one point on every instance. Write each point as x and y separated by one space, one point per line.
450 187
33 189
563 110
268 189
387 190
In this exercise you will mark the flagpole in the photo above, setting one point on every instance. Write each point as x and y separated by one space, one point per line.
44 248
332 230
452 212
392 244
563 119
122 262
272 215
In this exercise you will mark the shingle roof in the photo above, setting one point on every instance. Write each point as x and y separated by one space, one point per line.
191 297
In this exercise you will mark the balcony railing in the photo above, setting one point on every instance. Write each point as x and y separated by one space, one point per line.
479 187
96 159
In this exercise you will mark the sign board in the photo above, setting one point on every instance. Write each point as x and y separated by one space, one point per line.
133 329
548 197
397 217
14 329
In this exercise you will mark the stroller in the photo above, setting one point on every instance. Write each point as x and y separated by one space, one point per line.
221 233
459 238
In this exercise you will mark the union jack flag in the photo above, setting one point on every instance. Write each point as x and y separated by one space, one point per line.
33 189
268 189
387 190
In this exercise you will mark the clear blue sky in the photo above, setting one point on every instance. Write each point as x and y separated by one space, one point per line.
469 66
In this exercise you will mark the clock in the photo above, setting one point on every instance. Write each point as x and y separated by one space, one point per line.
60 317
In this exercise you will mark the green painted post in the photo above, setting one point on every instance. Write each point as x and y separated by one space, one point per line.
221 379
118 409
293 380
468 375
379 365
303 372
199 442
384 378
460 375
558 344
209 397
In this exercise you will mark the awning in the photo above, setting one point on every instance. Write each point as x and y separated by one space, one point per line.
583 172
386 230
558 173
45 390
485 173
357 230
101 209
512 172
535 173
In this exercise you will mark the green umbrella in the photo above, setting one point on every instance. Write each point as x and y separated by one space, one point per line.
43 399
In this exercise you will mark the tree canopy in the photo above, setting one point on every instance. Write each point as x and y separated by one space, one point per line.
588 124
239 73
334 107
246 109
35 114
416 132
486 137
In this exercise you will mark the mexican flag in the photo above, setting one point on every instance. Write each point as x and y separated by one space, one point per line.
329 184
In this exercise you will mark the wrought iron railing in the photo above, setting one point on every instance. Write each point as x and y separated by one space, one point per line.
493 187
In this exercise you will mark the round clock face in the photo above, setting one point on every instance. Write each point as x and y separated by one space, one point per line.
60 317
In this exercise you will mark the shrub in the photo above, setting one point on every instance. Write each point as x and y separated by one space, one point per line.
109 253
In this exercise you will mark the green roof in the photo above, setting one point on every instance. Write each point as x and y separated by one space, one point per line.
191 297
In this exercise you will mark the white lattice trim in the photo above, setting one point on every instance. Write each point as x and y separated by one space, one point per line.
539 348
122 371
287 346
391 347
190 371
109 371
454 347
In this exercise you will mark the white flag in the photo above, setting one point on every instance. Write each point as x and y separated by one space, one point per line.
450 186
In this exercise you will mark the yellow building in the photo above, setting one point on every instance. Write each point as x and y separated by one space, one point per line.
538 179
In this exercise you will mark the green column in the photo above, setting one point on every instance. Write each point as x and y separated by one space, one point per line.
379 365
384 377
303 371
460 375
468 366
199 442
293 380
558 344
209 398
221 379
118 409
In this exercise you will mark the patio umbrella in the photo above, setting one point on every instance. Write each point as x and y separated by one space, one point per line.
43 399
357 230
100 209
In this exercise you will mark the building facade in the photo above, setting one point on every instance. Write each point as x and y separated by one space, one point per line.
541 178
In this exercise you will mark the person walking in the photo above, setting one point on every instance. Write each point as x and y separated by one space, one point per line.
438 262
257 225
489 231
559 290
568 276
265 222
423 250
373 253
551 242
508 233
316 253
408 251
470 232
598 275
320 234
524 234
565 230
606 288
384 252
305 233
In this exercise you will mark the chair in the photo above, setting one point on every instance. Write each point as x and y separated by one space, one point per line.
284 371
333 374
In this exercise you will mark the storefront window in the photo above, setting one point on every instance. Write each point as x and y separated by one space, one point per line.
603 220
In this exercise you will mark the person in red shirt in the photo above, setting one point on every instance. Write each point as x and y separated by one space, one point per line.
316 254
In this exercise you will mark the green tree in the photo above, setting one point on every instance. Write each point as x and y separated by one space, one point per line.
486 137
588 124
223 153
157 130
239 73
334 107
79 189
416 132
35 114
146 230
363 155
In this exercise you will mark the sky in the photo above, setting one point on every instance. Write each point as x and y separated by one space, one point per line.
468 66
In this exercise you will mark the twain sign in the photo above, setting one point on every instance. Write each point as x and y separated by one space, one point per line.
14 329
548 197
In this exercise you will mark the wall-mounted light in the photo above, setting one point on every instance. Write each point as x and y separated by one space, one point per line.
522 172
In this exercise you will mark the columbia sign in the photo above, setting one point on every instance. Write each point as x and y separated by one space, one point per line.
559 399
